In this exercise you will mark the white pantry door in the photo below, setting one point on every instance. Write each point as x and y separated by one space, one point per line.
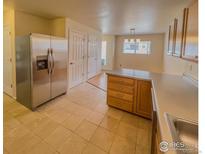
92 56
7 62
77 58
98 55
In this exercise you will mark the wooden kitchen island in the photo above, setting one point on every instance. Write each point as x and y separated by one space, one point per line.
129 94
153 95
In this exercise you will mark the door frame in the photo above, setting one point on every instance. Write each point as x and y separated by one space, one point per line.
13 58
70 30
97 54
90 47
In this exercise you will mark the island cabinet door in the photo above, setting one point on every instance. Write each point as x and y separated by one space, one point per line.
143 98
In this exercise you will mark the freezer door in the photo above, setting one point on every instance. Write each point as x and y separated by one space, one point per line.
59 52
40 45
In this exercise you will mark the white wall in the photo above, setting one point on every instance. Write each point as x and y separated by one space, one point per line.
71 24
152 62
27 23
110 51
57 27
9 20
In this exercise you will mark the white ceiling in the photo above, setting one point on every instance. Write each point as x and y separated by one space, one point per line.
108 16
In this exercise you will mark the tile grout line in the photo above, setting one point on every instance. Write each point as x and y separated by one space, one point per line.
58 123
95 144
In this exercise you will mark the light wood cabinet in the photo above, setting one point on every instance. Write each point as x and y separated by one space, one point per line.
171 39
121 80
157 140
156 133
120 93
143 103
183 33
190 41
179 29
121 88
129 94
119 103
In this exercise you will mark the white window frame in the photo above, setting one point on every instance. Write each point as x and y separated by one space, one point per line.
104 53
134 40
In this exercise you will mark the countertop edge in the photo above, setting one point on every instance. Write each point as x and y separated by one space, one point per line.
154 78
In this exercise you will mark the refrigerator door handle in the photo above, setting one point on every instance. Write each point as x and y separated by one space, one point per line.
48 60
52 61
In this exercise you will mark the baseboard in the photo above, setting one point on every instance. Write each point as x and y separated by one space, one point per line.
191 79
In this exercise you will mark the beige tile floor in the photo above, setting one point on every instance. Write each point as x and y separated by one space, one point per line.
75 123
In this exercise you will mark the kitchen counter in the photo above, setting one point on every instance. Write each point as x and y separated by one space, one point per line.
175 95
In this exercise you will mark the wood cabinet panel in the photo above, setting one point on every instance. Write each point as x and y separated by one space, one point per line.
121 80
130 95
121 88
190 44
157 151
179 31
158 139
121 104
120 95
144 99
156 136
171 39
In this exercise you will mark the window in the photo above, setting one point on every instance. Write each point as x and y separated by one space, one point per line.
135 46
103 53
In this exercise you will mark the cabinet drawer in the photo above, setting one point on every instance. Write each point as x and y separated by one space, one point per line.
121 80
121 104
120 95
121 88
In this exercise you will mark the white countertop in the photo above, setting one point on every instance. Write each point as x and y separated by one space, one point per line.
175 95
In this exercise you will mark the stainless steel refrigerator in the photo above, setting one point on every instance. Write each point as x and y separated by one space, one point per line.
41 68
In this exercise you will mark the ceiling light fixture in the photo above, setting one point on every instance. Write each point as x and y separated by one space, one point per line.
132 33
